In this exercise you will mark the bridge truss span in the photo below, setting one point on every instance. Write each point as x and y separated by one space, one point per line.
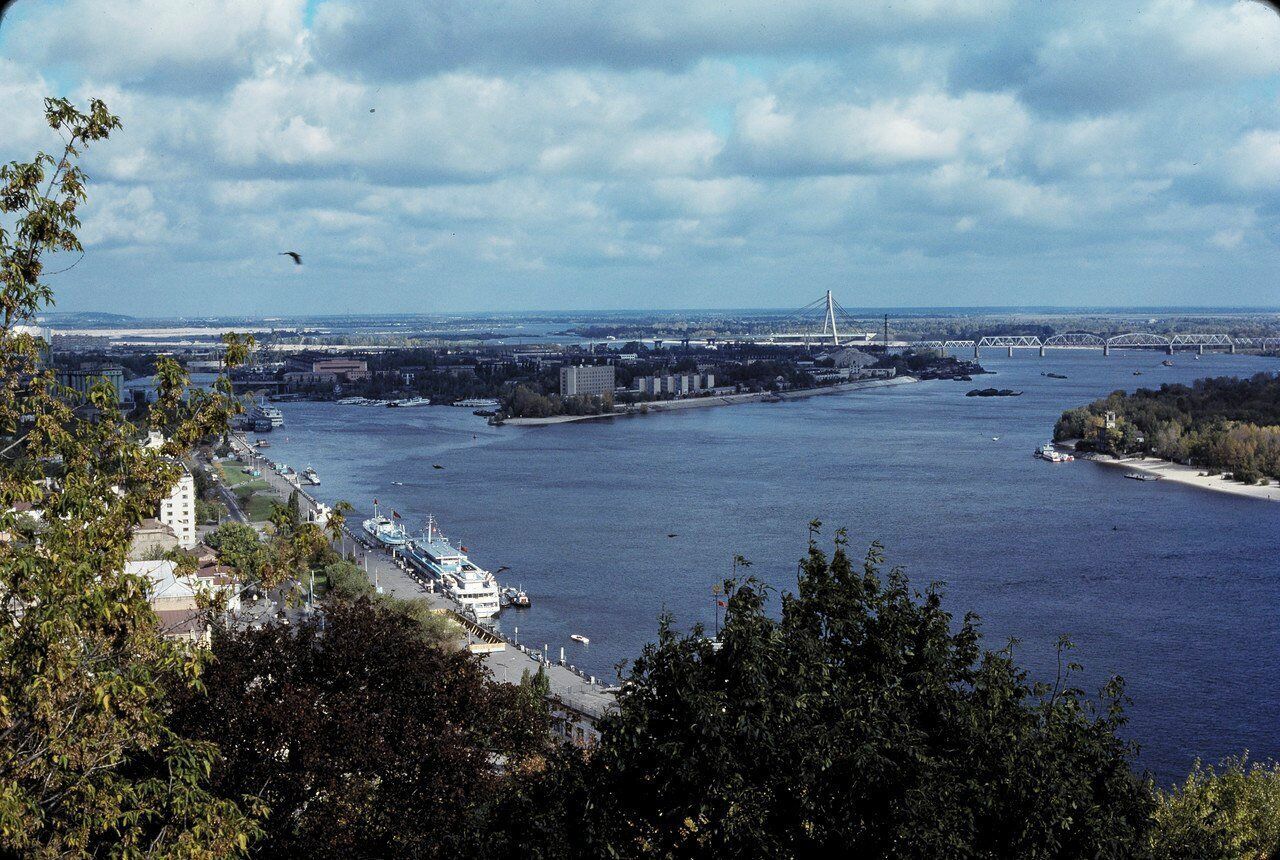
1075 340
1137 338
1011 341
1202 340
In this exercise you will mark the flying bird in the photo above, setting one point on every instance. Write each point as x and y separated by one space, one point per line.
673 535
297 258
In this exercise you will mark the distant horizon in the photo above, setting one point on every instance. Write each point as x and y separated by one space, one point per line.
959 310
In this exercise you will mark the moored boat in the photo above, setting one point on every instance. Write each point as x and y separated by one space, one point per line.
470 585
384 529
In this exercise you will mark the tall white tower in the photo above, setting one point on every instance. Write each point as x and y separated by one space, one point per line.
830 320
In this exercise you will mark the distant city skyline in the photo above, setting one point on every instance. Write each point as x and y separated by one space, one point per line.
557 155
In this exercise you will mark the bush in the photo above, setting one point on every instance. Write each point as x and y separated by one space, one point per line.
1228 813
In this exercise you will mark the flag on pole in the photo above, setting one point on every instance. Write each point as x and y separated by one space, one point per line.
375 501
395 514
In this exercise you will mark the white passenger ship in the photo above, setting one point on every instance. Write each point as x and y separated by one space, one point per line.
470 585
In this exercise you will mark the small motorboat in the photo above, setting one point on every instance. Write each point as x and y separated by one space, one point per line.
578 637
1140 476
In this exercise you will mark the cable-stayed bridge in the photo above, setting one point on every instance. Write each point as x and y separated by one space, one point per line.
825 321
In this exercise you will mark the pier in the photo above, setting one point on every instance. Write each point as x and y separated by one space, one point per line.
577 700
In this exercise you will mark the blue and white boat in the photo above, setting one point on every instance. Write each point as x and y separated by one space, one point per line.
385 530
470 585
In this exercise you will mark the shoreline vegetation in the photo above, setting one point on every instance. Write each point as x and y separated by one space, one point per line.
1221 433
724 400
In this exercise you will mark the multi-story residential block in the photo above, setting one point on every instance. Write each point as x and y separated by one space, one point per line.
592 380
178 510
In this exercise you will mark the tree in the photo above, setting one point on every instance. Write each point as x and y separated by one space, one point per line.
88 763
336 524
1226 813
295 509
862 722
347 581
240 548
364 740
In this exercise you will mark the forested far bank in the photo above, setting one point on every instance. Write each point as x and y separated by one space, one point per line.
1220 424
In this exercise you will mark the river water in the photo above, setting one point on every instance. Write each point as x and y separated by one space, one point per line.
1174 588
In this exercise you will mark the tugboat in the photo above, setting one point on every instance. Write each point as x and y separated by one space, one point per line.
515 597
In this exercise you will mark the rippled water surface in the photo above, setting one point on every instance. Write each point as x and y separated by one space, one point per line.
1174 588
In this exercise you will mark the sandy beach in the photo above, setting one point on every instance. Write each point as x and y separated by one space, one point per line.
1191 476
702 402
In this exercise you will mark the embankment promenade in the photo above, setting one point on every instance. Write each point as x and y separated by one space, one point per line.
703 402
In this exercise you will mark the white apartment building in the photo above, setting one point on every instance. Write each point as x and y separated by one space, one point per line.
178 510
591 379
680 385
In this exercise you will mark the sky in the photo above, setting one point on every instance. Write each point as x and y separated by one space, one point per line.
467 155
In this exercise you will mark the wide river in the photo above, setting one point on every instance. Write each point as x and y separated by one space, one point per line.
1174 588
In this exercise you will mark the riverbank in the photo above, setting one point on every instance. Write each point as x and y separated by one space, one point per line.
576 698
1191 476
703 402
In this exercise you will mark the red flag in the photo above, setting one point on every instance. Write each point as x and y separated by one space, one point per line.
461 547
720 603
395 514
375 501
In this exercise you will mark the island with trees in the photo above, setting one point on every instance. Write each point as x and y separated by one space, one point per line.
1221 424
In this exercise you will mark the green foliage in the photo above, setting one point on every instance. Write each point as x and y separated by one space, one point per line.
347 581
863 722
240 548
433 628
524 402
527 403
381 745
1221 424
1228 813
88 764
210 512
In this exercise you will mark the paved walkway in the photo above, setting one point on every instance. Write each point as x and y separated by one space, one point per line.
395 578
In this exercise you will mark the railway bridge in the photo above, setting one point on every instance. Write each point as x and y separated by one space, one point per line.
1168 343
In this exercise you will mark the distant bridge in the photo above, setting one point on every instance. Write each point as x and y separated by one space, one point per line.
825 322
1086 340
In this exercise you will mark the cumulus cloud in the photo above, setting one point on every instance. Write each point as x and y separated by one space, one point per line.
194 44
576 153
414 38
